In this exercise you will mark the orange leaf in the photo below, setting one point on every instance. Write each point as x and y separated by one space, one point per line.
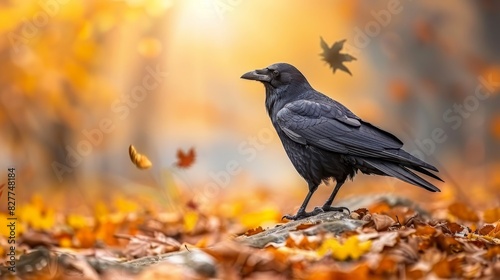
495 233
491 215
305 226
380 207
486 229
463 212
456 228
254 231
185 160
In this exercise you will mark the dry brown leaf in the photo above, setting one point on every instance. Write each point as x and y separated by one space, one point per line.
457 229
139 160
447 268
495 233
425 230
185 160
382 222
449 244
361 212
486 229
245 259
386 239
463 212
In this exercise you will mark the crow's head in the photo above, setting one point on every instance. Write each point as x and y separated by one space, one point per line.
277 76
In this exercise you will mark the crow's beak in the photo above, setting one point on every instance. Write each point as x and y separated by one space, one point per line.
261 75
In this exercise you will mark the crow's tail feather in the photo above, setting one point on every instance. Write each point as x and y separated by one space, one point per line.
404 174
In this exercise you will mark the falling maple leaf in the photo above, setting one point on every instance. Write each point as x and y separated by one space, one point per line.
185 160
139 160
334 58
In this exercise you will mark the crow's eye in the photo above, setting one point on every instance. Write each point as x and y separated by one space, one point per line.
276 73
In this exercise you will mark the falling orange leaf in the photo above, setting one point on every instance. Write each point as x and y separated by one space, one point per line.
139 160
185 160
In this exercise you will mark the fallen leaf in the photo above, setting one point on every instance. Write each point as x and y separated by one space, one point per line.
386 239
254 231
457 229
185 160
305 226
447 268
382 222
492 215
463 212
352 248
190 220
486 229
495 233
139 160
387 266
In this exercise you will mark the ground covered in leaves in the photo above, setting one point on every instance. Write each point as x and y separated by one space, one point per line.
388 237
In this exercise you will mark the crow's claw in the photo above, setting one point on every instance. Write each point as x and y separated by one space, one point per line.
326 208
303 214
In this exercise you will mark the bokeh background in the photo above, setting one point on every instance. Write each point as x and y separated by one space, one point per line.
68 66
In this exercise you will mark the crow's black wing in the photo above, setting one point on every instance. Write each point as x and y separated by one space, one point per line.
330 126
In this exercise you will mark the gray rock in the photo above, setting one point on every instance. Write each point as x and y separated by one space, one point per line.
334 222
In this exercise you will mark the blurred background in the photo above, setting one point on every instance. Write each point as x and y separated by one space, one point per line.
82 80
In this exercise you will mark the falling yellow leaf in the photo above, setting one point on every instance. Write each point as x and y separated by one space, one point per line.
352 248
140 160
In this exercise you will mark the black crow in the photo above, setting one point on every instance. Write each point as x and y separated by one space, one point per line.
324 139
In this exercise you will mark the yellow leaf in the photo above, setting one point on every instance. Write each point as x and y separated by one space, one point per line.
258 218
190 221
139 160
126 206
352 248
65 242
77 221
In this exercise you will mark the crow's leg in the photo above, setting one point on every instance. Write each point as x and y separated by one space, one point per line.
302 210
328 204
